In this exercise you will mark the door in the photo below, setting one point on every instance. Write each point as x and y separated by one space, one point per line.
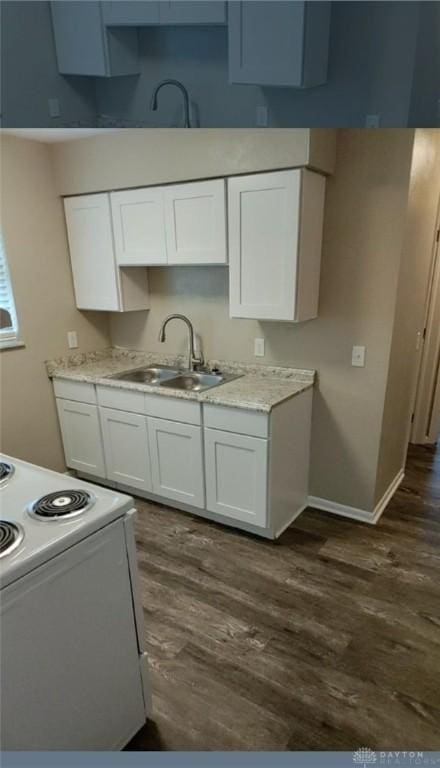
263 214
266 42
138 223
195 222
70 662
176 461
129 13
426 424
89 230
126 449
198 12
81 433
236 476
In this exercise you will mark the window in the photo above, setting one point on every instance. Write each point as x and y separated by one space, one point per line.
8 315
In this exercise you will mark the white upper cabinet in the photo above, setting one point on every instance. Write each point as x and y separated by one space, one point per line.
98 282
275 237
186 12
178 224
85 47
278 43
195 222
139 228
131 12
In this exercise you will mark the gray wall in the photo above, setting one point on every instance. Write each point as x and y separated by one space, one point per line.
29 71
370 72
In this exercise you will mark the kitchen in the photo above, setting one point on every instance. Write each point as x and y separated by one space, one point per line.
256 410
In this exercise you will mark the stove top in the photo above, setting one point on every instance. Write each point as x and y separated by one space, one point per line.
11 536
33 497
61 504
6 471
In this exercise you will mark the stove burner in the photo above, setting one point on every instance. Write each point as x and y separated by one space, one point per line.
61 505
11 536
6 472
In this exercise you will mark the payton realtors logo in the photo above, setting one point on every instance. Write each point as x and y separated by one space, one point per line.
366 757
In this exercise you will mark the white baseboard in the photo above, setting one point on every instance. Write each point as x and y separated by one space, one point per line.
359 514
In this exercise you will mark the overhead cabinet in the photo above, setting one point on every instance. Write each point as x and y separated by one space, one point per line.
275 236
155 12
99 282
84 46
177 224
278 42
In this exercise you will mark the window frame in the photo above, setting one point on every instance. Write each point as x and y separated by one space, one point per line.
9 337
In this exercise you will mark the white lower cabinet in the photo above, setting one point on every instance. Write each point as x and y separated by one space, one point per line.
236 476
253 465
177 461
126 448
82 440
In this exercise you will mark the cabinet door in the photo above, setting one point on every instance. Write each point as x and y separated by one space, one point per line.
263 213
138 222
195 225
187 12
236 476
81 433
129 13
176 461
89 230
84 46
278 43
126 449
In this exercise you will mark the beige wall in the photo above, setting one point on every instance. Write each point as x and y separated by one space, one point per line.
34 232
417 254
364 224
133 158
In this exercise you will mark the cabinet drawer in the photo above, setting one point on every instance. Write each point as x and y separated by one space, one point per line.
236 420
188 412
121 399
81 391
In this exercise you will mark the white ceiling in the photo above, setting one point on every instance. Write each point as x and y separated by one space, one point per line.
51 135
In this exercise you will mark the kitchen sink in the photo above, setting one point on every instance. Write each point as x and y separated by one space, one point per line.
173 378
148 375
196 382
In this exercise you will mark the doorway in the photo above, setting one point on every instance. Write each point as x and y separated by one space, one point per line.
426 420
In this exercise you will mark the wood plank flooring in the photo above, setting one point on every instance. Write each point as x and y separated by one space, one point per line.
327 639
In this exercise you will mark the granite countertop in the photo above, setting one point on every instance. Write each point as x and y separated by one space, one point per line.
259 388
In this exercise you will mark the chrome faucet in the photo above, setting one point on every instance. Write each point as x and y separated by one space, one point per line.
181 87
192 359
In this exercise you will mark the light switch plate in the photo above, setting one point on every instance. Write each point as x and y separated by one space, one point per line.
358 357
259 347
262 116
72 339
372 121
54 107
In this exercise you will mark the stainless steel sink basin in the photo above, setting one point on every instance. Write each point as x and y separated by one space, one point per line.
196 382
148 375
173 378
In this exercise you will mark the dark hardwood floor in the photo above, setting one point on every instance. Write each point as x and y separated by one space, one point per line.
327 639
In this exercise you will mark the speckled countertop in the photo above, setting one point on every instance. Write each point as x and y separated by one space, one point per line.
259 388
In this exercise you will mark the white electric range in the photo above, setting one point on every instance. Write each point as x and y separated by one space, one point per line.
73 664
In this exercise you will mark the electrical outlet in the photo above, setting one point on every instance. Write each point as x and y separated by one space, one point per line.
72 339
259 347
358 357
54 107
372 121
262 116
